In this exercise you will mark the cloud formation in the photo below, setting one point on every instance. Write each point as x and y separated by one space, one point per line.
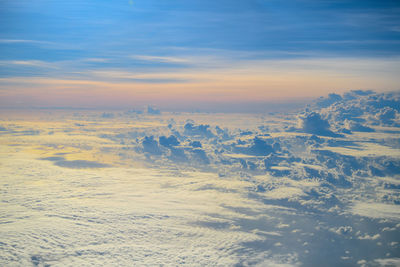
249 194
313 123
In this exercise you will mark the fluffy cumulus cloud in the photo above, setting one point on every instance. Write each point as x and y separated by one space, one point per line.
313 123
326 102
200 130
356 126
387 116
168 141
365 108
257 147
199 155
153 111
323 153
107 115
151 146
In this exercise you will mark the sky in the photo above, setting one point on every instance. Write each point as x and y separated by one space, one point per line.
185 54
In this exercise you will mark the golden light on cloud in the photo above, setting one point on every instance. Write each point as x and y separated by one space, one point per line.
199 133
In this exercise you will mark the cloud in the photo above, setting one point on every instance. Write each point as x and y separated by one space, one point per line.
387 116
80 164
358 110
29 63
198 130
258 147
195 144
161 59
249 81
22 41
313 123
356 126
53 158
326 102
388 261
342 230
170 141
151 146
376 210
75 164
96 60
369 237
178 154
199 156
153 111
238 188
107 115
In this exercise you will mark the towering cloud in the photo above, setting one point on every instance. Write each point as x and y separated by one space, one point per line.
151 146
313 123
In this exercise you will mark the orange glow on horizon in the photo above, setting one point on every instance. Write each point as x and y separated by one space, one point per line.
244 83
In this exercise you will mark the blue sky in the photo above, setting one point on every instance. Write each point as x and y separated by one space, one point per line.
77 40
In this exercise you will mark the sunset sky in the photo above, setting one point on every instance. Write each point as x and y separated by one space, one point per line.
200 133
185 53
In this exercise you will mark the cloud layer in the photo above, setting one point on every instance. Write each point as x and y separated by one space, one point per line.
101 187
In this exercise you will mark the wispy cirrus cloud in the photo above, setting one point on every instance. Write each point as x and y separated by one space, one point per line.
51 45
160 59
95 60
22 41
29 63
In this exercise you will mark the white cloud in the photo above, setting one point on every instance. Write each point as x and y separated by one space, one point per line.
377 210
248 208
369 237
388 261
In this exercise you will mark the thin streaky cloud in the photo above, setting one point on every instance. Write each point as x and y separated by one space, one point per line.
29 63
42 44
99 60
222 70
249 81
395 29
16 41
349 41
161 59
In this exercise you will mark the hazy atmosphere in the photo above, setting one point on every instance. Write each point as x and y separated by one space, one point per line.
199 133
